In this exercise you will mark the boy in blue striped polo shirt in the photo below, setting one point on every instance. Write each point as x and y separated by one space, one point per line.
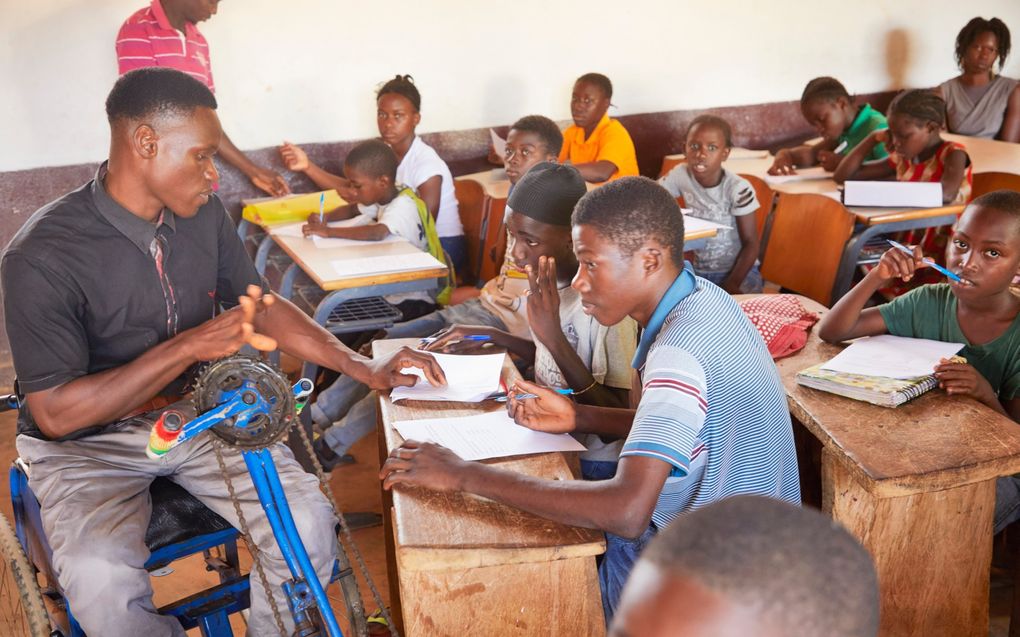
712 421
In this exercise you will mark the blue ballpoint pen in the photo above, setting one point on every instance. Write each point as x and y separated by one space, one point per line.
926 260
502 397
322 204
469 337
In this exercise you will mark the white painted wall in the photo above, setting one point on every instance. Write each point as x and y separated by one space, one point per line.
305 70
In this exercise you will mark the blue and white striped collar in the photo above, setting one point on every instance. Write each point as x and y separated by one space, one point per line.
682 286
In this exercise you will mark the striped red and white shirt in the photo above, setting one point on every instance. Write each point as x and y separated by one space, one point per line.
148 39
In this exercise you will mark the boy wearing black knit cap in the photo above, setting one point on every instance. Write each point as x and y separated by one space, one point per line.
570 349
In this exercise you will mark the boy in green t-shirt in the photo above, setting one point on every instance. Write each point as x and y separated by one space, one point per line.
982 312
828 107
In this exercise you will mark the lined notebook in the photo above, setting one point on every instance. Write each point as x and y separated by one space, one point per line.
886 392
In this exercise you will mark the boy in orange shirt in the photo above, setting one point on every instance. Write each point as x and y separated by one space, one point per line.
599 147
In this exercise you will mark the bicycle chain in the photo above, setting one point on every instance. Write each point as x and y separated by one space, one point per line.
256 554
345 529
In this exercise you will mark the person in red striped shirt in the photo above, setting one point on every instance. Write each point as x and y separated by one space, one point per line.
164 34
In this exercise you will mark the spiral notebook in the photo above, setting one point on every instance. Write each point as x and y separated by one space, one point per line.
882 370
886 392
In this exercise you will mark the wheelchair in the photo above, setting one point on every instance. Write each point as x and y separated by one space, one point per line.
32 604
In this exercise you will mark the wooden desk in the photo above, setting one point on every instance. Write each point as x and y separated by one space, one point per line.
466 565
916 485
317 262
871 222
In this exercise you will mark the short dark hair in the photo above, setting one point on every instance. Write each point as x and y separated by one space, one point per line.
713 121
823 88
598 80
374 158
801 570
545 128
402 85
156 91
920 104
976 27
631 210
1007 201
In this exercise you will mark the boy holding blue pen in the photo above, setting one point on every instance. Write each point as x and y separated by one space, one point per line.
979 310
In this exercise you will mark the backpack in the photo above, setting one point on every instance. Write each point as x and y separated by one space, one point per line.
435 248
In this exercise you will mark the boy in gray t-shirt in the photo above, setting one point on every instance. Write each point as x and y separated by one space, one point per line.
730 258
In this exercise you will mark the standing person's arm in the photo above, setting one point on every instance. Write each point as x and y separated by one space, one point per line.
265 179
296 160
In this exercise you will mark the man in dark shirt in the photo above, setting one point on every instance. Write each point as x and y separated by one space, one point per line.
111 295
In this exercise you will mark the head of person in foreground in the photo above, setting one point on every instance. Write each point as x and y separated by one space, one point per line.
750 565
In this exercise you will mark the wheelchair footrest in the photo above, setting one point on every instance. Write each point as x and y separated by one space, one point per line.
229 597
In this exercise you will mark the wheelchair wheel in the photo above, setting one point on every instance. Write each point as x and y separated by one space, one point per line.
22 610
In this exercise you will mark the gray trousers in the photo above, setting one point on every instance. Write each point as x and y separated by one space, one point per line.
95 502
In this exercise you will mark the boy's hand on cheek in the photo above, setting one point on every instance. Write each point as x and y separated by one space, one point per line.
962 379
544 301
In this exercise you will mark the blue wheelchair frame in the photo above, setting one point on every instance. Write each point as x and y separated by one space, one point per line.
208 610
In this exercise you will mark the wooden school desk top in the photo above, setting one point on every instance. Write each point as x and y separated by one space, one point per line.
866 216
317 262
437 531
931 443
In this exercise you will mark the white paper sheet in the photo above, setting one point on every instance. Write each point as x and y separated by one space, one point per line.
289 230
892 356
294 229
803 174
696 224
337 242
498 144
886 194
490 435
383 264
468 379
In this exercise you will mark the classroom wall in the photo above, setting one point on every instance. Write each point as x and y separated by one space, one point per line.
305 70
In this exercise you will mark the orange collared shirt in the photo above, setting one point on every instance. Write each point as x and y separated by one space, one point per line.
610 141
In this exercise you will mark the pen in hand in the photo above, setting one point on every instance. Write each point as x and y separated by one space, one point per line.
502 397
322 204
926 260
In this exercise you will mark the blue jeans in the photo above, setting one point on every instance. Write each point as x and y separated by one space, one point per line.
456 247
598 469
470 312
617 563
1007 502
752 283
